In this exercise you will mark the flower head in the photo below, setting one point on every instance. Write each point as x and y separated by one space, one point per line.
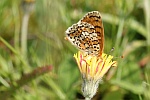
93 68
28 5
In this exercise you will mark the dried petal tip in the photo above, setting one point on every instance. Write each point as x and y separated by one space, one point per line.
93 68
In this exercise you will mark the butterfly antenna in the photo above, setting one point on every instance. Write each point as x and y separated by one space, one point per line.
119 57
112 49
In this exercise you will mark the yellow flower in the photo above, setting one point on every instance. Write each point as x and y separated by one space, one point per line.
93 68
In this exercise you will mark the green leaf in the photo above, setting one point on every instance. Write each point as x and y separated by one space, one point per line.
113 95
134 88
130 22
68 75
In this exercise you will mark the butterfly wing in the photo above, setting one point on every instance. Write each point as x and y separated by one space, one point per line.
87 34
78 34
94 18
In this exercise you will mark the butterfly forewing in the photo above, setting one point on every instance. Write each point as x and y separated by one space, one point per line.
88 34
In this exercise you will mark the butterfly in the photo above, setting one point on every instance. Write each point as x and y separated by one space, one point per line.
88 34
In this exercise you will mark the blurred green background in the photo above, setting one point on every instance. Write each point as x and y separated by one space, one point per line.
36 62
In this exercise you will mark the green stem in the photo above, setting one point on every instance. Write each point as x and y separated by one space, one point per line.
14 51
15 11
8 45
147 21
24 31
117 45
119 34
56 89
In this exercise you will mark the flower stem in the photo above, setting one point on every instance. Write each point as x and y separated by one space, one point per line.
24 34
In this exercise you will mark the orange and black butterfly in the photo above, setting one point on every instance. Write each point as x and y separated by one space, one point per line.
88 34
